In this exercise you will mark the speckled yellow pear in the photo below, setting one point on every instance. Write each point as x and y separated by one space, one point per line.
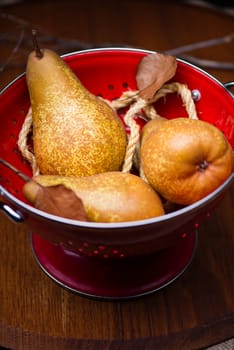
107 197
74 132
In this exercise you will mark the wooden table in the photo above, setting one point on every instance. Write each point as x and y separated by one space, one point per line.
195 311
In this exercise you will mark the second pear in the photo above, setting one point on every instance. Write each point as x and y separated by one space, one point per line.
107 197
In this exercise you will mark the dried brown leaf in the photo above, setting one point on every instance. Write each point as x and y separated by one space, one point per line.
61 201
57 200
153 71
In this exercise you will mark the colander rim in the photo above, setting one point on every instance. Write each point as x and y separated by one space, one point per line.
105 225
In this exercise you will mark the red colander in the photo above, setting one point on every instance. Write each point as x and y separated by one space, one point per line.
112 260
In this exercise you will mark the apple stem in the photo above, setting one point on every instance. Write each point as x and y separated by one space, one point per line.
39 53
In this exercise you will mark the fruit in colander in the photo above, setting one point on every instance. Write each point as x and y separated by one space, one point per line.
75 133
107 197
185 159
117 260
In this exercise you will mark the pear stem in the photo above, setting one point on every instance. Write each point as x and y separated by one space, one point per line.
15 170
39 53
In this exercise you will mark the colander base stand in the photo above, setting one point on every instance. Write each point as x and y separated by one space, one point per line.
110 279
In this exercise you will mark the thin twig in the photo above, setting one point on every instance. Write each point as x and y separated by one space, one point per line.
15 170
14 19
201 44
13 52
12 65
209 63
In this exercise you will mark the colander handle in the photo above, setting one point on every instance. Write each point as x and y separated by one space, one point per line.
11 213
228 85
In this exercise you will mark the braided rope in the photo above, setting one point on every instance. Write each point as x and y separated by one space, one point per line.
184 93
137 105
134 133
22 142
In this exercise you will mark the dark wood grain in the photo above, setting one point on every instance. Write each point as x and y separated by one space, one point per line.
196 310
